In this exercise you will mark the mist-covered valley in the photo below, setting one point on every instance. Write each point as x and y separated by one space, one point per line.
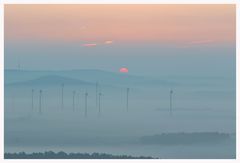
100 111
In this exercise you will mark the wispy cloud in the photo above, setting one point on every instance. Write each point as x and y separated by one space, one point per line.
89 45
196 43
108 42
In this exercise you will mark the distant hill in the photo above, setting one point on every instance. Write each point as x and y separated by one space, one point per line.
63 155
88 75
51 80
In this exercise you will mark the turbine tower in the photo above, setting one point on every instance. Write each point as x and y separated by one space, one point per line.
171 94
32 98
74 92
13 101
62 104
86 95
78 98
40 101
96 94
99 103
19 66
127 97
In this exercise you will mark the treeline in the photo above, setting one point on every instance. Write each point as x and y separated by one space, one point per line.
63 155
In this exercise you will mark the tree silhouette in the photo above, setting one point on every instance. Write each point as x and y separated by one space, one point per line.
63 155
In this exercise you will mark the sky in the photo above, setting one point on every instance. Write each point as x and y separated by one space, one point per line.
143 38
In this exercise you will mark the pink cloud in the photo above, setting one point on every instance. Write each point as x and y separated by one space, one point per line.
95 44
89 45
108 42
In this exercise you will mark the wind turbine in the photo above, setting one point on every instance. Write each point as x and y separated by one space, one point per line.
19 66
40 101
78 98
86 95
74 92
32 98
171 94
13 101
127 97
62 104
96 94
99 103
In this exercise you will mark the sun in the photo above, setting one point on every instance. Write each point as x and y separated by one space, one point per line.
123 70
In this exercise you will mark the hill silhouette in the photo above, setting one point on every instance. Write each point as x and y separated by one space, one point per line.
52 80
87 75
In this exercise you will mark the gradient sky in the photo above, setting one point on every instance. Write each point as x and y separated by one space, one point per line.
112 36
135 23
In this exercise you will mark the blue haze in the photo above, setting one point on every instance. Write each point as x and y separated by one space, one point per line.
201 77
